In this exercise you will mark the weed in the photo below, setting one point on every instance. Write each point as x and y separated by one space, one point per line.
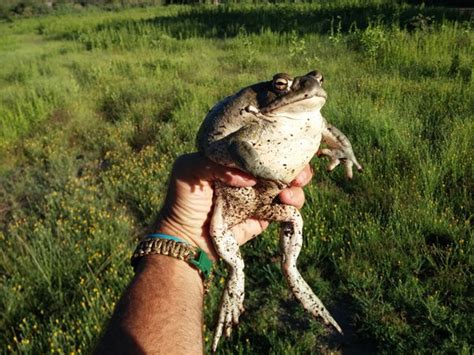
336 33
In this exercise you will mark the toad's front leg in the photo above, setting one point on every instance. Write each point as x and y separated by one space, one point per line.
233 296
340 149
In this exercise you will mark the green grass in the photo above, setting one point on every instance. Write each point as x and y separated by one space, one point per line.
95 106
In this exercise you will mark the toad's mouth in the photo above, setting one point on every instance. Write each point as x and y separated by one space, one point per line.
300 103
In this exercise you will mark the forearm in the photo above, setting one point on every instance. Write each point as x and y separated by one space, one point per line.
160 312
328 136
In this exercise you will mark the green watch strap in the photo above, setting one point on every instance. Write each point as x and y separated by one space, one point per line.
203 263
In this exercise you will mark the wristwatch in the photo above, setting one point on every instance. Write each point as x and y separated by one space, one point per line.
162 244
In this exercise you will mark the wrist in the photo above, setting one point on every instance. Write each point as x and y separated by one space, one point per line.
174 247
196 237
166 226
171 271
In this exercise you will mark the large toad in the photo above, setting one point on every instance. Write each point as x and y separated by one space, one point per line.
271 130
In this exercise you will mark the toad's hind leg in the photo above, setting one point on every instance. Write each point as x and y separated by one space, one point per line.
291 238
228 249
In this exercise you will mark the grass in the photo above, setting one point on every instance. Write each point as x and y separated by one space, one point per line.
95 106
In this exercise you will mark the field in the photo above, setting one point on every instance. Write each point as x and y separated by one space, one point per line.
96 105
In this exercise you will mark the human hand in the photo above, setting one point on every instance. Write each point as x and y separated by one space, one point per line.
188 206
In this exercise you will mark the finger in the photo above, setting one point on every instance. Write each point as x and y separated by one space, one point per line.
235 315
201 168
333 164
234 177
304 177
348 165
293 196
228 324
358 166
218 331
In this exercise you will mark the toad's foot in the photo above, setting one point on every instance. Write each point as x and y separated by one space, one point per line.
231 308
232 301
340 150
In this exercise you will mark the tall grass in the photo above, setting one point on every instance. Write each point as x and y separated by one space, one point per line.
94 108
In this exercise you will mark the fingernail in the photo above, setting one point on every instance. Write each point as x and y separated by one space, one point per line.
303 177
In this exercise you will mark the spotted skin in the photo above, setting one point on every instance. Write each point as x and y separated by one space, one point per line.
291 239
270 130
291 242
231 207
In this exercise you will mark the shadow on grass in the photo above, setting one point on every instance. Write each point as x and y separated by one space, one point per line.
230 21
350 343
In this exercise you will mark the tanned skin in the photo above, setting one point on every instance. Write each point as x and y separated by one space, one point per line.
161 311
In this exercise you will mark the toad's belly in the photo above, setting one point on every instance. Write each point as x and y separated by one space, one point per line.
286 149
287 160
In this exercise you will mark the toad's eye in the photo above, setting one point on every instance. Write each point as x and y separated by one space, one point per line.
319 77
280 84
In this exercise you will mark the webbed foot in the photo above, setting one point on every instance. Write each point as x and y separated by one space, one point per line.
232 306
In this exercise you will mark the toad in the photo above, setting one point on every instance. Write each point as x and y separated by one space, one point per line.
270 130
